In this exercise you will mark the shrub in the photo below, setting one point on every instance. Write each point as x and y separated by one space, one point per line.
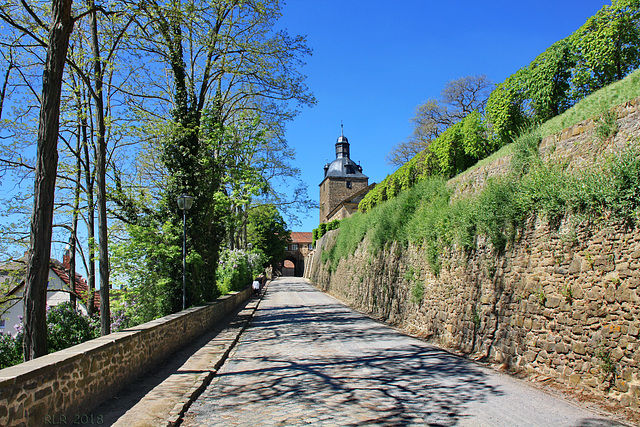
333 225
417 292
67 326
237 268
10 350
606 125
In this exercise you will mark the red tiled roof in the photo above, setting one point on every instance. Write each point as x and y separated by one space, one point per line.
81 288
301 237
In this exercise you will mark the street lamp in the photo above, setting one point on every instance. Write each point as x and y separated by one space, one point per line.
185 202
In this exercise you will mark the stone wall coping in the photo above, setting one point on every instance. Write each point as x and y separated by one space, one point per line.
35 374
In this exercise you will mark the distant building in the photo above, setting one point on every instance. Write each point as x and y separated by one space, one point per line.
344 185
59 289
300 246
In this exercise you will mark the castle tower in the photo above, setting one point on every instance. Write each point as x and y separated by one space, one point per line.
343 185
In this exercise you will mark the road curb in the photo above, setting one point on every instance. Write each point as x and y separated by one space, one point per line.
202 381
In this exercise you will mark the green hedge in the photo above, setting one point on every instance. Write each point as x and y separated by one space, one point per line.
604 50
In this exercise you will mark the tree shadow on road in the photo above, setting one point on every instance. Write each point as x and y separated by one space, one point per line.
323 362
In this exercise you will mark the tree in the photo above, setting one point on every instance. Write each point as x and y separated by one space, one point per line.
505 108
268 232
226 64
458 98
607 46
37 277
548 81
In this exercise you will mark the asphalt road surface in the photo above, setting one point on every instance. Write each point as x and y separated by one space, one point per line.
306 359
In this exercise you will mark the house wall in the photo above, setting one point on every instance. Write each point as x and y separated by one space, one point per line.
75 380
13 316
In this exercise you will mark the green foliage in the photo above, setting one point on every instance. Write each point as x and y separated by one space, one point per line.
417 292
594 104
424 215
10 350
267 231
475 139
238 268
606 125
324 227
607 46
67 327
475 317
623 176
567 292
542 298
505 108
548 79
333 225
608 366
144 265
447 148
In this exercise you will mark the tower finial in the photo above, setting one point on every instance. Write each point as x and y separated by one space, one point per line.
341 128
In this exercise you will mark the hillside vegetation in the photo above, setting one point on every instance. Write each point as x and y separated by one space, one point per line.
604 50
425 213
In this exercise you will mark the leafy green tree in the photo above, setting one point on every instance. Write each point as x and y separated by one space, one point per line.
505 109
35 335
225 60
142 266
607 46
268 232
548 81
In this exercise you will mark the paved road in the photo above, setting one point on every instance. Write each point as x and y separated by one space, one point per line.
306 359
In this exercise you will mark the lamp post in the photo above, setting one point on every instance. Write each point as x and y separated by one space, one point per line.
185 202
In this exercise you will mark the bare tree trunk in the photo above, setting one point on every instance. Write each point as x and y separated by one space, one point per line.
35 296
73 241
91 222
101 160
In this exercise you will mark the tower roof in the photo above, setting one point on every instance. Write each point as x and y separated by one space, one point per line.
343 166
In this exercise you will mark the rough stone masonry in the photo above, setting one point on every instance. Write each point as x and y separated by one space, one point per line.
560 303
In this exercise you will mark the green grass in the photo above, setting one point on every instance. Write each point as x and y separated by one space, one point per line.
595 104
425 215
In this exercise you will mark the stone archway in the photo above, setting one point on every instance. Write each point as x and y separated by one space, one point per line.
293 266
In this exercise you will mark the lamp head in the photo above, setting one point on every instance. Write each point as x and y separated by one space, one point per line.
185 202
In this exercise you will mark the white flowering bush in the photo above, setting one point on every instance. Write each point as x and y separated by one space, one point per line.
237 268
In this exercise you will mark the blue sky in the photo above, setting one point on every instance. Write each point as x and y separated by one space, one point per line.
375 61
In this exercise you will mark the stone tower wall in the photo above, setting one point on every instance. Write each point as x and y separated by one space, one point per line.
334 191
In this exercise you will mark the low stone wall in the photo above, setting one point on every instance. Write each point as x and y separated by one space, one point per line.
62 387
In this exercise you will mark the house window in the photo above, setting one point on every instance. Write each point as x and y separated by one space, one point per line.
310 246
2 324
348 184
294 247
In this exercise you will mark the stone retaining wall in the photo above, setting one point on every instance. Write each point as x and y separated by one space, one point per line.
562 303
62 387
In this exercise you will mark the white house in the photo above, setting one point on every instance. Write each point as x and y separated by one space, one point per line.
58 290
